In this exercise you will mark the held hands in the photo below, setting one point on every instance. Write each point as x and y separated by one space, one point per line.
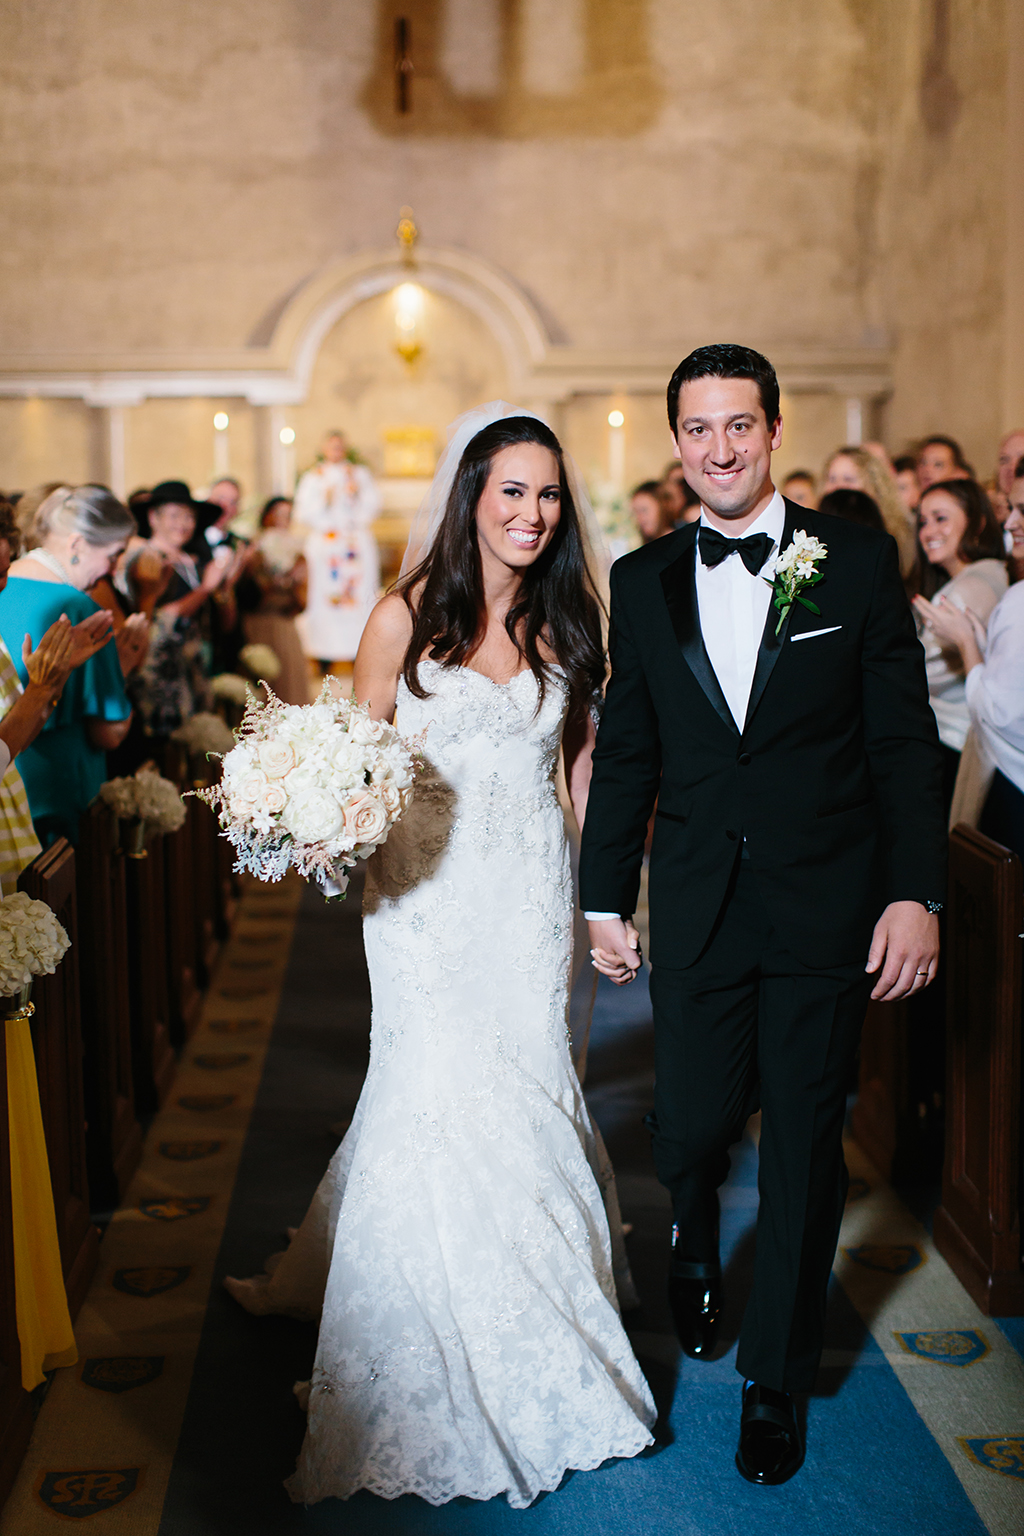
615 949
905 945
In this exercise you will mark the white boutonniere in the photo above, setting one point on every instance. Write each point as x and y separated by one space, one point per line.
795 569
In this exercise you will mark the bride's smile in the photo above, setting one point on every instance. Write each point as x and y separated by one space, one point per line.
520 506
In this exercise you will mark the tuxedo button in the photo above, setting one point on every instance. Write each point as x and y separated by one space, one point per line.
743 759
731 836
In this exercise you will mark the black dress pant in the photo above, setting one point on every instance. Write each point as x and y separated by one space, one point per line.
749 1025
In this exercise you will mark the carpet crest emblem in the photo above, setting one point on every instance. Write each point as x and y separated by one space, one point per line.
78 1495
999 1453
889 1258
189 1151
120 1373
151 1281
203 1103
948 1346
175 1207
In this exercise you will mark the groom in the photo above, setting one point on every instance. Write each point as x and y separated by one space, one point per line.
797 863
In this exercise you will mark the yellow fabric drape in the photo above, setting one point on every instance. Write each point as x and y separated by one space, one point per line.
41 1303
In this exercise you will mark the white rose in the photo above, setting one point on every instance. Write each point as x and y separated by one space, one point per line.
366 820
250 787
275 798
276 757
364 731
390 797
312 816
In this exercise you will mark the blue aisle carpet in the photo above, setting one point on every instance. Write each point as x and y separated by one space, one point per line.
872 1467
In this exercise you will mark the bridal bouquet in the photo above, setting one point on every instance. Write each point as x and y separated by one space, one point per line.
32 942
313 787
146 797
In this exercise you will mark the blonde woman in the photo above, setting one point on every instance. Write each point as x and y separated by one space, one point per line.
856 469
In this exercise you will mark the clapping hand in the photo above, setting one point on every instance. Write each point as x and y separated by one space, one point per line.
133 642
951 625
90 636
50 664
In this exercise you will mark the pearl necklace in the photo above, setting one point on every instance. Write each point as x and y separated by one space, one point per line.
43 557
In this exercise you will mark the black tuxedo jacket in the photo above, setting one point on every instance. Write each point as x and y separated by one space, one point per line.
834 781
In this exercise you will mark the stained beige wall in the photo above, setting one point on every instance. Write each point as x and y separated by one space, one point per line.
825 173
943 242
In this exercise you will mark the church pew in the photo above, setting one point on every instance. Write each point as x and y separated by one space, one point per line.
114 1136
182 929
153 1060
202 825
15 1402
978 1225
57 1038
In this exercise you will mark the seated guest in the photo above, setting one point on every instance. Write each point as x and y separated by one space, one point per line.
80 534
855 469
960 565
855 506
272 592
938 459
1014 525
1011 451
905 470
172 684
652 511
993 665
798 486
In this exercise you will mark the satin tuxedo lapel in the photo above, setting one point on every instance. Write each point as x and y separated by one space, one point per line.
770 649
679 584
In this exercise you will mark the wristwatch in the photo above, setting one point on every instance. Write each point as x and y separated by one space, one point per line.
934 907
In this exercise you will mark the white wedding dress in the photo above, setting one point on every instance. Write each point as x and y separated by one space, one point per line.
470 1340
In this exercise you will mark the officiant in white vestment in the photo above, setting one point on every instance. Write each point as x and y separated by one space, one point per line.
336 502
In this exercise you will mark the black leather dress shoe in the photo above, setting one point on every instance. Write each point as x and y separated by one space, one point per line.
695 1298
770 1449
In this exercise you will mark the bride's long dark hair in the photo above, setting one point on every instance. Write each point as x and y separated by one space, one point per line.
556 600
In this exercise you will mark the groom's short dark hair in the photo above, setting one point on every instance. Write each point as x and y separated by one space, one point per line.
725 361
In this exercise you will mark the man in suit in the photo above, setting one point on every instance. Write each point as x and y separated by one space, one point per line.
797 862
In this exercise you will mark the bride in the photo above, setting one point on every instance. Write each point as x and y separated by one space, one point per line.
458 1250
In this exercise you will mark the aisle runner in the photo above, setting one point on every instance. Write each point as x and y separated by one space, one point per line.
956 1365
106 1436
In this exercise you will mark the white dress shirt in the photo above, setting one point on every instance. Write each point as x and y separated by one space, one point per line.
733 609
995 690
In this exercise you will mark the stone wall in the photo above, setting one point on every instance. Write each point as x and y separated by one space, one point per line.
822 177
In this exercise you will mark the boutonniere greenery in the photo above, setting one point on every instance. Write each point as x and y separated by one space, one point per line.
795 570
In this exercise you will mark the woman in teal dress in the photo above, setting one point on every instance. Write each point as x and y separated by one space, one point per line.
80 534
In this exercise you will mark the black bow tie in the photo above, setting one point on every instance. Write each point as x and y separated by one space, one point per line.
715 547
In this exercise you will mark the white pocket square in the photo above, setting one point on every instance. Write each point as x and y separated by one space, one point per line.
812 634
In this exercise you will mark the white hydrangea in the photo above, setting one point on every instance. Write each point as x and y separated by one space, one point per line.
146 796
205 732
32 942
228 685
261 660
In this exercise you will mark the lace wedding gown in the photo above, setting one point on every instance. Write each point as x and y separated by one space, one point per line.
470 1341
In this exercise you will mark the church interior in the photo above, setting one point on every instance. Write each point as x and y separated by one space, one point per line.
251 247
